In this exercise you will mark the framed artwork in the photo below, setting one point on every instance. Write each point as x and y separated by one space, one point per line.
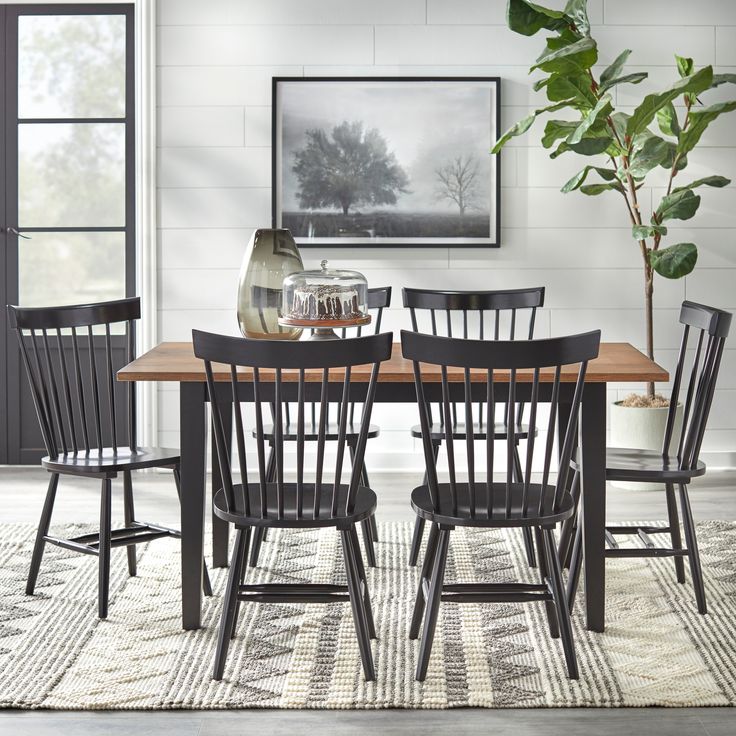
386 161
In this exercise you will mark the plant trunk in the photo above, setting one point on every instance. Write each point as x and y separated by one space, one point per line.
648 302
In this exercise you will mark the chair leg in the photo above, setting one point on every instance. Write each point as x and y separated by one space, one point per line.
206 583
243 568
567 534
370 550
416 540
364 581
416 617
544 573
43 530
563 613
531 557
433 604
229 604
370 553
692 549
576 564
674 523
103 590
255 549
129 518
356 602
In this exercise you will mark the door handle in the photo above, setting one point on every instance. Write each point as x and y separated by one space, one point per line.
14 231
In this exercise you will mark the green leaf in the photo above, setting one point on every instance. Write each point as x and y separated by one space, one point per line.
651 154
634 78
644 114
620 120
615 68
675 261
708 181
719 79
642 232
540 83
584 53
680 205
685 66
593 190
667 120
556 129
528 18
586 147
576 86
581 176
524 124
699 121
602 109
577 12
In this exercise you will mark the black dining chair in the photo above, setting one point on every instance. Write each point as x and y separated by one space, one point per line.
261 500
511 315
503 371
378 299
70 354
677 463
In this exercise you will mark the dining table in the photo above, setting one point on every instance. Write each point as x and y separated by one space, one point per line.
175 362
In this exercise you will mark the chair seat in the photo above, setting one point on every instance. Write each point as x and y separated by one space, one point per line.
365 506
500 431
629 464
109 461
460 516
311 431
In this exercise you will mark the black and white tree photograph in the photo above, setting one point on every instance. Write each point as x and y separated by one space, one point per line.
386 161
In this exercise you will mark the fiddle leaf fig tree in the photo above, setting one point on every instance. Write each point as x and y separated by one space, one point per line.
624 148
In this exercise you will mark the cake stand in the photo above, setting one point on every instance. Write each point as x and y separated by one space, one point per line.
323 329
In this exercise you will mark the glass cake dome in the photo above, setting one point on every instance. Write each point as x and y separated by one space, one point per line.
328 296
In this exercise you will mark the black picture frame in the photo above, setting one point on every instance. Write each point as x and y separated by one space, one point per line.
355 235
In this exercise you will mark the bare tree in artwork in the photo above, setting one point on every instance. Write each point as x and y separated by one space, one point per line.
458 182
349 167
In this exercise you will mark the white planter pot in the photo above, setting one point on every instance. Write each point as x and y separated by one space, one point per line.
642 429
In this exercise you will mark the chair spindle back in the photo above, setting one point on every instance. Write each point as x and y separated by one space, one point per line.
711 327
270 367
501 370
75 398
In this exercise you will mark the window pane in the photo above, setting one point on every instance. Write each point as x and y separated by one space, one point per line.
71 66
71 175
71 268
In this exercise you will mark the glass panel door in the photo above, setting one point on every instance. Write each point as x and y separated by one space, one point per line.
68 223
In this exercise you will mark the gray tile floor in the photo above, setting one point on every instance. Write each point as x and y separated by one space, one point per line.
21 496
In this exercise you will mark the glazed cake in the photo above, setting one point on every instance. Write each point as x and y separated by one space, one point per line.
324 302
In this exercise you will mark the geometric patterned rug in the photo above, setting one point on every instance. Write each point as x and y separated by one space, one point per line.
656 650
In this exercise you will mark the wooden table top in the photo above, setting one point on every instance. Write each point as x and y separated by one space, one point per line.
175 361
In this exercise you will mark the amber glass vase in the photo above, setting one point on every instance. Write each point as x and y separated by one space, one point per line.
271 256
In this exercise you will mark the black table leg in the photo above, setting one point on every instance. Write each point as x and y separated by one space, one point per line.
593 461
220 528
192 426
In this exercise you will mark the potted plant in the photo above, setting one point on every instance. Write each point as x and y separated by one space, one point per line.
623 149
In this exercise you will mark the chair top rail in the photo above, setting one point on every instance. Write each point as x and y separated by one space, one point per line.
473 300
74 315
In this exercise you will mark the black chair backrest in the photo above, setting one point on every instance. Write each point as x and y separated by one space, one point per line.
298 358
511 315
72 395
712 327
499 363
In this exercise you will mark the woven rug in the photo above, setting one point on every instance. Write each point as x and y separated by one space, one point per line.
55 653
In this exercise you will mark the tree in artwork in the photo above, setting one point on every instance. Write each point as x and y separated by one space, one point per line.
458 182
348 167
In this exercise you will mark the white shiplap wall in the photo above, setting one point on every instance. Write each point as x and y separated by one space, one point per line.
216 60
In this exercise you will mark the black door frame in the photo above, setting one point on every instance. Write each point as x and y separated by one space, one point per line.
10 404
